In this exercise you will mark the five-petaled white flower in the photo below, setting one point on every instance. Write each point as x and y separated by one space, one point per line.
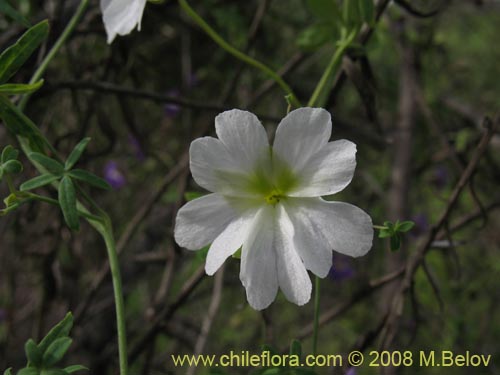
267 200
121 16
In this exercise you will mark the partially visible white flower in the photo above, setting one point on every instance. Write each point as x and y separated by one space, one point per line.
267 200
121 16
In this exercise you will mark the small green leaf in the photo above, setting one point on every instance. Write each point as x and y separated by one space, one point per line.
75 368
53 166
61 329
296 348
89 178
8 371
9 153
405 226
20 88
38 181
56 351
67 200
389 225
16 55
33 353
76 153
13 167
395 242
7 9
29 371
19 124
384 233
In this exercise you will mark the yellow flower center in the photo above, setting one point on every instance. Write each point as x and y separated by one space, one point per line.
274 197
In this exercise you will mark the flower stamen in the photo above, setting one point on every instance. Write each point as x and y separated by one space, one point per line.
274 197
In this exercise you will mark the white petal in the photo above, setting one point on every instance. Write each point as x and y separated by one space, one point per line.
348 229
213 167
301 134
258 260
309 242
228 242
121 16
200 221
244 137
292 275
329 171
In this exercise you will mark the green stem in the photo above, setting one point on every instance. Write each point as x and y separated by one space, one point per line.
317 282
380 227
55 48
327 74
114 266
236 53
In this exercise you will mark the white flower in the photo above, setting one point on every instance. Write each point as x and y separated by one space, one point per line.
266 200
121 16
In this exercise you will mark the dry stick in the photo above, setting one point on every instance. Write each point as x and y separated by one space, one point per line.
209 318
356 297
396 306
167 313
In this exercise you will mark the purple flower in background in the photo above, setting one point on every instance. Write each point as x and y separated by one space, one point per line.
171 110
136 147
113 175
421 224
341 269
440 177
351 371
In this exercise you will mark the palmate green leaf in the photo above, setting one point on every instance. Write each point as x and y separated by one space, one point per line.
10 11
19 124
76 153
53 166
9 153
56 351
67 201
89 178
33 353
16 55
20 88
38 181
61 329
75 368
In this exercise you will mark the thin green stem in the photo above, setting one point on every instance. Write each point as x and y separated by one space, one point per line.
55 48
327 74
317 282
236 53
114 266
380 227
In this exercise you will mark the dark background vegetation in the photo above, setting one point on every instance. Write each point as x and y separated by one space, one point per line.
414 102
